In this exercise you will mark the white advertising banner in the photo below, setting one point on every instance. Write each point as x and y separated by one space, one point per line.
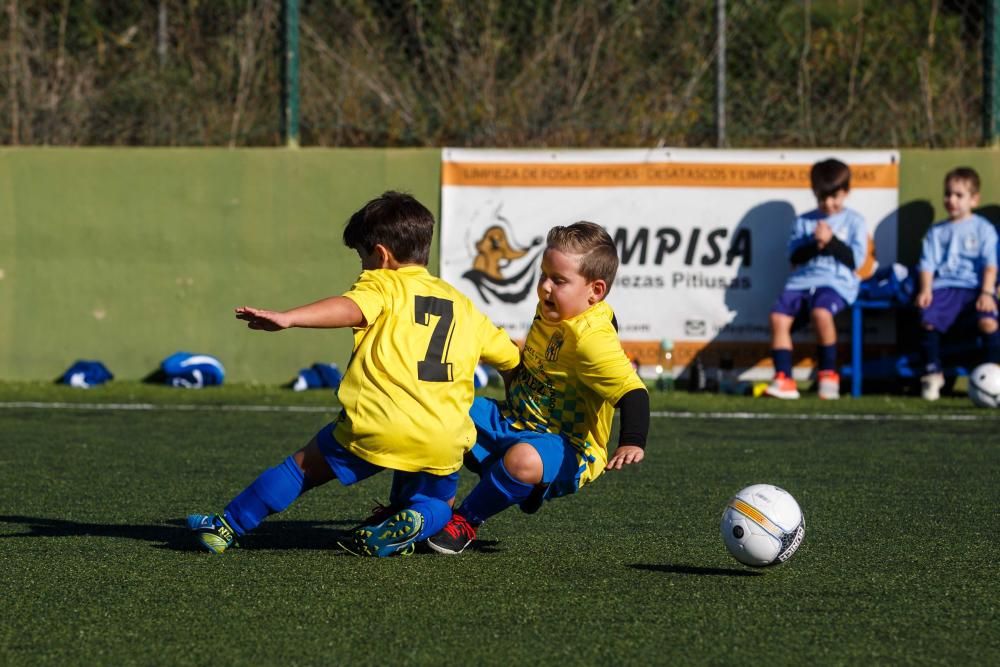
701 234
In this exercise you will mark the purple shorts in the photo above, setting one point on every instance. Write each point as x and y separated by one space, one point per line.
798 303
952 304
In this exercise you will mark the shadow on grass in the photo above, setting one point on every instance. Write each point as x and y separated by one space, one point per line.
700 571
173 533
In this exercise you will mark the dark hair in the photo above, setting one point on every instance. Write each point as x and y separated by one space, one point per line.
599 256
397 221
967 174
829 177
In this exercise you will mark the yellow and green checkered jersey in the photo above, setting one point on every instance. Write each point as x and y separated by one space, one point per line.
409 385
573 373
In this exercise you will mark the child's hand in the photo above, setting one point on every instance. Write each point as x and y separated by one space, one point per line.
823 233
986 303
924 298
263 320
625 455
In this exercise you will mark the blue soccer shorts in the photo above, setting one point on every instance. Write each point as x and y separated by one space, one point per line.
951 306
798 302
407 487
495 434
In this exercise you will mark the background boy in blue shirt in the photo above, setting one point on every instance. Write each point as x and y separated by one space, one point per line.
958 273
826 246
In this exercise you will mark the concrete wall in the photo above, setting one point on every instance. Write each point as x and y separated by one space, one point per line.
128 255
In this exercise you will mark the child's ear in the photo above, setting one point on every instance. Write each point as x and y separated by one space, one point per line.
598 289
385 256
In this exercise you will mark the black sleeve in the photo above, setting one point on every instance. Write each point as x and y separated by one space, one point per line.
635 418
804 253
840 252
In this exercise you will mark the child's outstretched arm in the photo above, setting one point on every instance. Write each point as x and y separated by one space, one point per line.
634 408
331 313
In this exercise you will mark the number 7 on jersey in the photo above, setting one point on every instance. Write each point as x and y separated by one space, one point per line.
434 367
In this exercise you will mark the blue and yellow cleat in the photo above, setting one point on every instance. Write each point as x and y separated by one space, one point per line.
395 535
212 532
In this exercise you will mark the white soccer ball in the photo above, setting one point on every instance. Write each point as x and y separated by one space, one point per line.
984 385
762 526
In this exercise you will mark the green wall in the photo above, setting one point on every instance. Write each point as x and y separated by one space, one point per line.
921 191
128 255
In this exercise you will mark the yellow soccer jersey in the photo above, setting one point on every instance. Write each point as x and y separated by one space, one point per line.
409 385
573 372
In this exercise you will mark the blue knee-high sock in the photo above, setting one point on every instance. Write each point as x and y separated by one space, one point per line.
827 357
930 345
782 361
496 491
992 343
272 492
436 514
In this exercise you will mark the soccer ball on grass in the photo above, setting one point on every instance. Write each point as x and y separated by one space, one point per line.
984 385
762 525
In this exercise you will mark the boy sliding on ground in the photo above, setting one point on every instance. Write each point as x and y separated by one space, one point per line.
550 437
405 393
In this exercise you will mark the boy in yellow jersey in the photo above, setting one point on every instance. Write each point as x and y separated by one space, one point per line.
550 437
405 394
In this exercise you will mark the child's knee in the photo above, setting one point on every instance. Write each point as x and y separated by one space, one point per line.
781 323
822 316
311 461
988 325
524 463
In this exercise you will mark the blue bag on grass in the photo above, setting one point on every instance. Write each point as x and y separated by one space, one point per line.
318 376
481 377
85 374
894 283
192 371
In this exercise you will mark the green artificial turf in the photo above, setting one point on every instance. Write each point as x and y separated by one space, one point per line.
898 566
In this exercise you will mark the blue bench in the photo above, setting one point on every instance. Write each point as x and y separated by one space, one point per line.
902 366
857 336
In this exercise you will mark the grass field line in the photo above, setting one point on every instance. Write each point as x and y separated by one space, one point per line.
815 417
660 414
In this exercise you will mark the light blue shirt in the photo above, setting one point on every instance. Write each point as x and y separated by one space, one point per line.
957 253
825 270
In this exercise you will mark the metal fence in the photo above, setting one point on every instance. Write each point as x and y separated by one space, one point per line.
739 73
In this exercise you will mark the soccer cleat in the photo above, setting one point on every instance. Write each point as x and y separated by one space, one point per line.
829 385
395 535
379 514
212 532
930 386
457 534
782 387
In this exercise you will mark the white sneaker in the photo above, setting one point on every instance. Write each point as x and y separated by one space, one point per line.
829 385
782 387
930 386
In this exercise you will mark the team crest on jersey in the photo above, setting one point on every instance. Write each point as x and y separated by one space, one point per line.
555 344
502 270
970 242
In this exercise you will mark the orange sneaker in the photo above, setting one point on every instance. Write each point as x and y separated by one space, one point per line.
829 385
782 387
